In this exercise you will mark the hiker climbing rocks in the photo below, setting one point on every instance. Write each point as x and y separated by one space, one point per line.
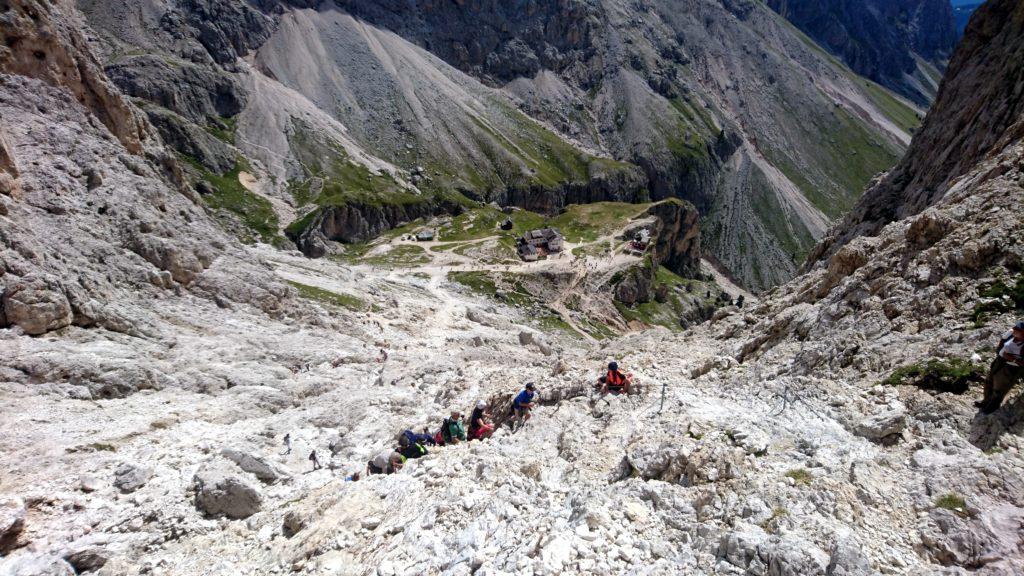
385 462
522 404
426 438
480 426
1007 368
288 443
615 381
411 450
410 447
452 429
316 461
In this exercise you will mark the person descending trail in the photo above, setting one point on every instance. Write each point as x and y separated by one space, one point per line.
1007 368
615 382
521 406
315 460
287 444
452 430
385 462
479 422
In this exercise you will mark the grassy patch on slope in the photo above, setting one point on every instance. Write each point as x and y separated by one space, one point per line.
950 375
328 297
999 298
255 211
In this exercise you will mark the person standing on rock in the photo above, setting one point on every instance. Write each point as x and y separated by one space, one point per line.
1006 369
479 422
614 381
522 404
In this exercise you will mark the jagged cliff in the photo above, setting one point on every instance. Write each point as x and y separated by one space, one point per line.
977 113
903 45
523 103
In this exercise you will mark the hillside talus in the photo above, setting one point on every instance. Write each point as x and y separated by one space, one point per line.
153 366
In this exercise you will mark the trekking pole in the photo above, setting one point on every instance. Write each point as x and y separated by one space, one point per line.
664 383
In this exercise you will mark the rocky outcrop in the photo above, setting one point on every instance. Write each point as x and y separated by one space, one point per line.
220 492
978 112
12 522
499 41
195 92
36 304
191 140
359 222
879 39
44 40
623 183
676 237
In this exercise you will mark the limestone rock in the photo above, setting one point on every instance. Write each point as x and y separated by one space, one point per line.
882 425
219 492
258 466
130 477
37 304
12 522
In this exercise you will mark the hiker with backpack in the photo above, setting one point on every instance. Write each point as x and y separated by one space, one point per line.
1007 368
480 426
425 438
452 430
522 404
614 381
385 462
410 448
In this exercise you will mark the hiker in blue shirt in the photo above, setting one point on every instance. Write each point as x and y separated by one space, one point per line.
522 404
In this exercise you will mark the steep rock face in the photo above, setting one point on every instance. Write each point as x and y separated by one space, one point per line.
355 222
498 41
880 39
44 40
676 243
978 112
194 91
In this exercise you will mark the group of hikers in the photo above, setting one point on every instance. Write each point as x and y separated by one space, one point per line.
1006 370
412 445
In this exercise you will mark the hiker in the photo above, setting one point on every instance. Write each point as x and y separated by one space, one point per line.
452 429
316 461
354 477
739 301
411 450
523 403
614 381
385 462
426 438
1007 368
479 422
287 444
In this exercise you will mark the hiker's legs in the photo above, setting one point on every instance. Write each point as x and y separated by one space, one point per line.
1002 382
996 367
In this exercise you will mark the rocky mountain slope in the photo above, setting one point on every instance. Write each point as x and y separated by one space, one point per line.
975 116
903 45
536 105
153 365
